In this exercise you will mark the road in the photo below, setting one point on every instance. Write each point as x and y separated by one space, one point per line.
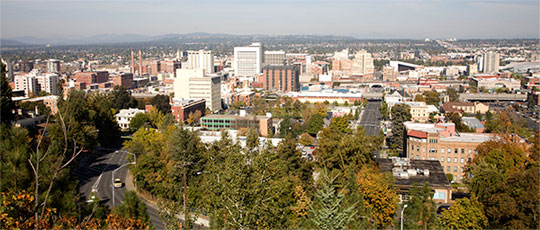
371 118
96 170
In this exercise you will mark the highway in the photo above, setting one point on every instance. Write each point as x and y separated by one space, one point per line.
371 118
95 171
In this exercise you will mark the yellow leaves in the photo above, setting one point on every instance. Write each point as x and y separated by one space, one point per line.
379 197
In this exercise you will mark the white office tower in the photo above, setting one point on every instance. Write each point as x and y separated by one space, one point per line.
248 60
363 63
201 59
274 57
194 83
341 55
490 62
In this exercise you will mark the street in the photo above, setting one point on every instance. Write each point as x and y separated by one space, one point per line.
95 171
371 118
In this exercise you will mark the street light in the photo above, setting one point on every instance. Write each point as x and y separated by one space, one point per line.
112 178
403 209
183 165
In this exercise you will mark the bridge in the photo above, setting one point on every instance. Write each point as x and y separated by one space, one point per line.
487 97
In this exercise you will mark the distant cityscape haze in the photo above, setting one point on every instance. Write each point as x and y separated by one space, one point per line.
368 19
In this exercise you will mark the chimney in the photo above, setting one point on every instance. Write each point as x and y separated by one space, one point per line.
140 63
132 63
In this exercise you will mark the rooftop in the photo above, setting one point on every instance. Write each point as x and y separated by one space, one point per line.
425 171
469 137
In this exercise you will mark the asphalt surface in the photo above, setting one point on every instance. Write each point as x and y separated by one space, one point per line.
95 171
371 118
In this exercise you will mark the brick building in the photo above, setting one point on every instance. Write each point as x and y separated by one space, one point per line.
441 142
280 78
181 108
91 77
124 80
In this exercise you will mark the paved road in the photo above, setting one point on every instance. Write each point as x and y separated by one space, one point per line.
371 118
96 170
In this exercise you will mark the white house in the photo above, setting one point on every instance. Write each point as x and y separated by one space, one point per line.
125 115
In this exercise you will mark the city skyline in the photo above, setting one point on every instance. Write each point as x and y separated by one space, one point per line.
369 19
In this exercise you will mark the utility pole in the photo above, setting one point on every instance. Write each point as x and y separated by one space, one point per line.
403 209
185 193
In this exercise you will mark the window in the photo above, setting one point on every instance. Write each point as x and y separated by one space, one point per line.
462 160
449 150
469 160
412 147
417 148
442 150
455 150
455 159
439 195
460 169
448 168
442 159
462 151
433 150
417 157
455 168
470 151
449 159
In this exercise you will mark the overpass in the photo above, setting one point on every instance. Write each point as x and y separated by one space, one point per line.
487 97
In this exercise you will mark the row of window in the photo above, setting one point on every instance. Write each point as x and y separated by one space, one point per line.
449 160
456 150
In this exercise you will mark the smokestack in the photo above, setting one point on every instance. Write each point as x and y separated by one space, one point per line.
140 63
132 63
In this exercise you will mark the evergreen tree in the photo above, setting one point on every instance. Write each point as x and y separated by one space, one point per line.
327 211
315 124
6 104
132 208
400 114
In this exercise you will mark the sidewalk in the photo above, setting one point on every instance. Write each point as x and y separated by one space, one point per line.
202 221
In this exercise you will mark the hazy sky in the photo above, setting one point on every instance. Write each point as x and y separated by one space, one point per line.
359 18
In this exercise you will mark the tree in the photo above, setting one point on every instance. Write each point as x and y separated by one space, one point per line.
305 139
384 110
194 117
6 104
504 178
421 210
464 214
327 211
161 103
341 124
122 99
315 124
452 94
456 119
419 97
132 208
380 199
400 114
432 98
139 121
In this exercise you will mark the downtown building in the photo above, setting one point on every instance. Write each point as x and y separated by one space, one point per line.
274 57
248 60
53 66
35 82
195 84
443 143
280 78
201 59
490 62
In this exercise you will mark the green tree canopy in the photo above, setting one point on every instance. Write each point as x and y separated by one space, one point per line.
465 213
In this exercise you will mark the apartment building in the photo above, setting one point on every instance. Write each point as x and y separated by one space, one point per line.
441 142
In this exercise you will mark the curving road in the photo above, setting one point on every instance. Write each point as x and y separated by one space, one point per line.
95 171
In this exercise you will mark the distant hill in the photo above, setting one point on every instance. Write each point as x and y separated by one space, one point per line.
9 42
135 38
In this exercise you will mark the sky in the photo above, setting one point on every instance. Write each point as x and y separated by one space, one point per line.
366 19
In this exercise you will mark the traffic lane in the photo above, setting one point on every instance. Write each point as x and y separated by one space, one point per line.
89 170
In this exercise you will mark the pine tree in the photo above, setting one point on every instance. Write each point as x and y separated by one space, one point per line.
6 104
328 211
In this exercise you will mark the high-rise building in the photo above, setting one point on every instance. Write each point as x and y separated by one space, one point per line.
281 78
248 60
35 82
274 57
201 59
53 66
490 62
195 84
124 80
363 63
26 66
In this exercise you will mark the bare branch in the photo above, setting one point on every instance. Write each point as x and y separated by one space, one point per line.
33 168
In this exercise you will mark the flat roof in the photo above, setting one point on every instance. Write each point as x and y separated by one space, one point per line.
436 179
232 116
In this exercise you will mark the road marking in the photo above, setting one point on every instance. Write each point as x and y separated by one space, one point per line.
95 186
